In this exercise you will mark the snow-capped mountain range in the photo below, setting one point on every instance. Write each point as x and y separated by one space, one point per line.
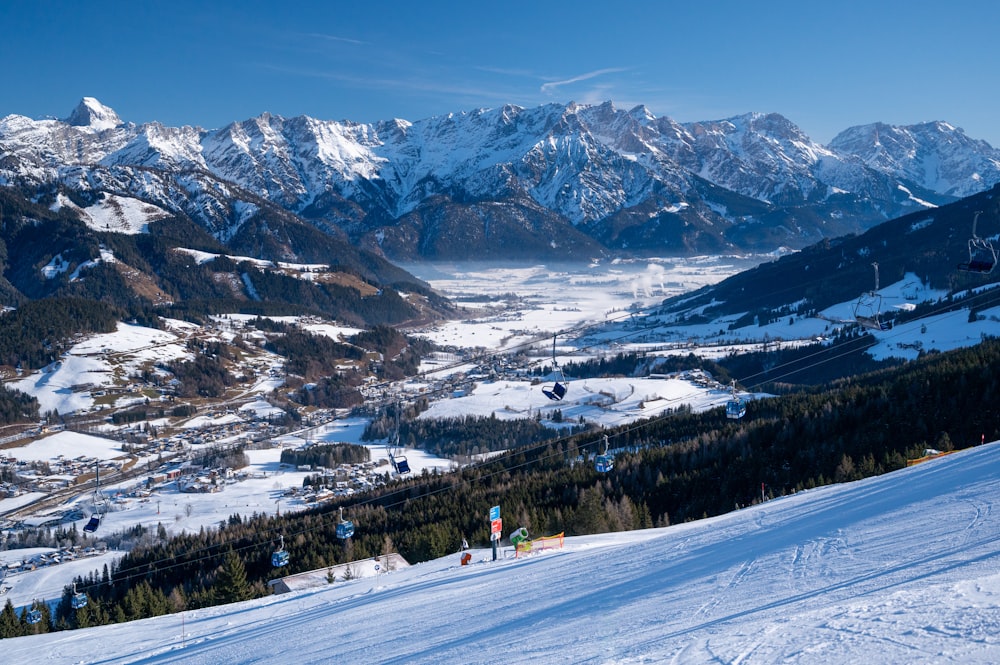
567 180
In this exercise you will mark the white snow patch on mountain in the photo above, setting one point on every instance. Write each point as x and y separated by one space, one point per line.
121 214
55 267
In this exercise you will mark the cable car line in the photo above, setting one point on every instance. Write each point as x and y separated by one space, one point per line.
948 308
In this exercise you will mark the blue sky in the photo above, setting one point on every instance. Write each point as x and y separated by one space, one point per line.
825 66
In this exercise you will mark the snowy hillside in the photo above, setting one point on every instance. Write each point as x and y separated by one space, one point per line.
898 568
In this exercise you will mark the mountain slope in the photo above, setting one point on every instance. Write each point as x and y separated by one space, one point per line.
929 244
563 180
135 256
897 568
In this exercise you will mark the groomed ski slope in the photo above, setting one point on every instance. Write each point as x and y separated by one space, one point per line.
904 568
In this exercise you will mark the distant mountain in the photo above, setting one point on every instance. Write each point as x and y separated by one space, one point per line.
567 181
144 261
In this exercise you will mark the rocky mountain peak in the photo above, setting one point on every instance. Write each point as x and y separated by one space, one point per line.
93 114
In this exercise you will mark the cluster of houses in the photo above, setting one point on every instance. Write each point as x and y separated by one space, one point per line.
345 480
55 557
58 473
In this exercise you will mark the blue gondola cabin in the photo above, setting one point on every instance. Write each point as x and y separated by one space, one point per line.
345 530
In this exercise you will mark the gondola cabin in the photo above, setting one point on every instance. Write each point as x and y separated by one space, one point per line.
78 601
34 616
279 558
91 526
345 529
736 409
605 461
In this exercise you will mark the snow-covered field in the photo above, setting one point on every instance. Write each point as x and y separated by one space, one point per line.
902 568
605 401
555 297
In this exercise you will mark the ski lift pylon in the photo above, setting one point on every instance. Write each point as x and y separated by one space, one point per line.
868 309
557 390
982 255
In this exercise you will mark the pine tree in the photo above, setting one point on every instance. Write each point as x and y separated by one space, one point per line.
231 582
10 624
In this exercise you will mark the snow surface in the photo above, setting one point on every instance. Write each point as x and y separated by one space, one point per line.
121 214
900 568
69 445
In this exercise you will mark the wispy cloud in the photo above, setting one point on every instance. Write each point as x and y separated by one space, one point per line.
334 38
413 83
552 85
503 71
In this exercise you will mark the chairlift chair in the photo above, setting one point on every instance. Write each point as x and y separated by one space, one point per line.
279 557
557 390
982 255
604 462
736 408
554 392
868 309
345 528
398 462
78 600
100 504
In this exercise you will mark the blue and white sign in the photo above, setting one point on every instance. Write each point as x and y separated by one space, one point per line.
494 513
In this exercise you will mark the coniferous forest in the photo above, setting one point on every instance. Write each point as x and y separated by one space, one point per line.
671 469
